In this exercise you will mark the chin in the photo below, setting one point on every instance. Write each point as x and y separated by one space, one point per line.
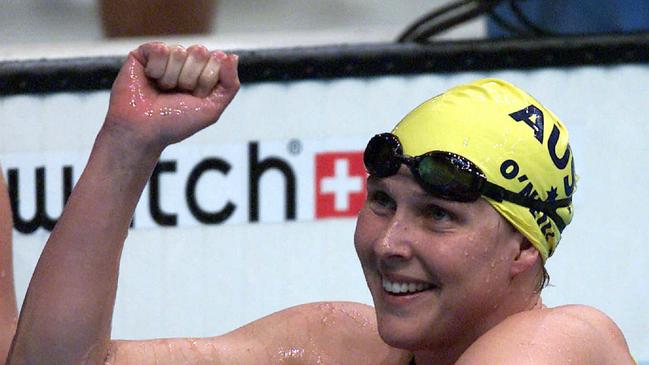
402 333
408 325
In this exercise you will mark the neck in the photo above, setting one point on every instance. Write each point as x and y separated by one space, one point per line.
448 354
445 357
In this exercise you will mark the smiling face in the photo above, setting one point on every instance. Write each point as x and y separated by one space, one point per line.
439 271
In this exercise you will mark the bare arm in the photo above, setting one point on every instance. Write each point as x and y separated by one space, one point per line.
316 333
8 310
66 316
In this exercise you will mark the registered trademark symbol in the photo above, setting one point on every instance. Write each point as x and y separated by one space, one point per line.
294 146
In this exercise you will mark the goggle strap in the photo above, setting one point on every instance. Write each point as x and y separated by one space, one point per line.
499 194
557 220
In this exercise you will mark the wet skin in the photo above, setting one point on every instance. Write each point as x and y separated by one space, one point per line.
463 251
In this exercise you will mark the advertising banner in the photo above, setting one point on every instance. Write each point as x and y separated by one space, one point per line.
256 213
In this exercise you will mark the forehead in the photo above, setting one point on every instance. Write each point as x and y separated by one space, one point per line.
404 189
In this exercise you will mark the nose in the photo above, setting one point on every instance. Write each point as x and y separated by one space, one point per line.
394 244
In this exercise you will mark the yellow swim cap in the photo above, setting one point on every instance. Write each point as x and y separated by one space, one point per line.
516 142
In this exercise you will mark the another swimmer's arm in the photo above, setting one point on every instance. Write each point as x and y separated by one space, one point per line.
576 335
8 310
66 316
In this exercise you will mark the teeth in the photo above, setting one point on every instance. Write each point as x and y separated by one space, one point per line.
397 288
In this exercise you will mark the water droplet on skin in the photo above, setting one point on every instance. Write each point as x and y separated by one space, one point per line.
166 111
358 318
131 72
326 307
466 253
327 310
136 92
314 350
290 353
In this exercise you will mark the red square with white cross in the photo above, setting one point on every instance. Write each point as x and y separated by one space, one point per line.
340 184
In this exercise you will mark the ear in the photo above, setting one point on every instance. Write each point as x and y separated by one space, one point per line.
526 257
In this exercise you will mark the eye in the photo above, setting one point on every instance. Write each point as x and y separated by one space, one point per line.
380 201
437 213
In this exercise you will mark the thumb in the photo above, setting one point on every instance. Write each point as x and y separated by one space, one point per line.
130 88
132 84
132 70
147 61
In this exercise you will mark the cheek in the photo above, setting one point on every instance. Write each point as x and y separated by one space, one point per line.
471 261
486 244
486 268
363 234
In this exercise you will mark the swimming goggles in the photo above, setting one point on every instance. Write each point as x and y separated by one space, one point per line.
448 176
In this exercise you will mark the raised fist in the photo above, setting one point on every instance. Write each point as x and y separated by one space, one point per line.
164 94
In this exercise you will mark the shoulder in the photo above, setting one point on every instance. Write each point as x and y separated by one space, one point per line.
590 319
589 323
582 334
